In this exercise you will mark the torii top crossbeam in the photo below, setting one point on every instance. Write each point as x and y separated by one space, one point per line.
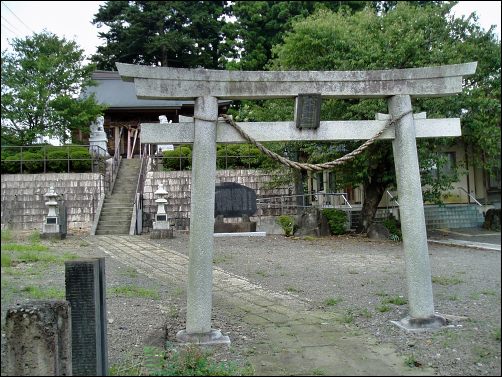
182 83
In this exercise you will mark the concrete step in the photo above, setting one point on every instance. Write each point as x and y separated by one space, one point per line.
118 226
116 206
114 217
125 201
100 232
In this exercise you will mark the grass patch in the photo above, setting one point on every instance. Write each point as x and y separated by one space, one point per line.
383 308
292 290
444 280
488 292
34 237
496 335
187 361
23 247
481 353
134 291
365 313
6 235
43 293
348 317
318 372
396 300
411 362
6 260
332 301
262 273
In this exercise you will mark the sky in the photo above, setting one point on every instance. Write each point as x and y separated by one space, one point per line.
72 19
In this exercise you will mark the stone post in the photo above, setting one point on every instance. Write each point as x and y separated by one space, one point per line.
38 339
200 263
418 272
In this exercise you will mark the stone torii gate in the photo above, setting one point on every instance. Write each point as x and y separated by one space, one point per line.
207 86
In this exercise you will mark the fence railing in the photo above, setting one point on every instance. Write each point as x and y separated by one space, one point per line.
56 159
291 204
180 158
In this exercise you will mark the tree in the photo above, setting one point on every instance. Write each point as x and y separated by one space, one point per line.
405 36
261 24
186 34
41 80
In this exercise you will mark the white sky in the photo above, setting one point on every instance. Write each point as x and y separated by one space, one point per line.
72 19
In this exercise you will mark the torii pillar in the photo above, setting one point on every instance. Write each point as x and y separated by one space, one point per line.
207 86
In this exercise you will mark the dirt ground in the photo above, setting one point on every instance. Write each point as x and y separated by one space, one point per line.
360 280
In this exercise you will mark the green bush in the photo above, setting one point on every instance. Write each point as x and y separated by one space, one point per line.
178 159
288 224
337 220
57 160
81 160
394 227
10 165
33 162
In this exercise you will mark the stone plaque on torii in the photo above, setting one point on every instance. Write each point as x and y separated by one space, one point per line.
207 86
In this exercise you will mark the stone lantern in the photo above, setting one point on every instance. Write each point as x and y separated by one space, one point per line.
51 224
161 228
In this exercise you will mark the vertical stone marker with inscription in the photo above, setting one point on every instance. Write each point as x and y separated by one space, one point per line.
397 86
85 291
308 111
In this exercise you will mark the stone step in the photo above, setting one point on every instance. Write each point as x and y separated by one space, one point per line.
112 216
118 226
117 205
125 201
100 232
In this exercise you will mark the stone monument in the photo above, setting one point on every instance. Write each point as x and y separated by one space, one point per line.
98 142
234 200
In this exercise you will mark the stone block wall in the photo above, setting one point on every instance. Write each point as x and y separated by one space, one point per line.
178 184
23 202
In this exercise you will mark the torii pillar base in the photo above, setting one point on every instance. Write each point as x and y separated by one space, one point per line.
410 324
214 337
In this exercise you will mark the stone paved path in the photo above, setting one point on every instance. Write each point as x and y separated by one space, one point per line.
300 341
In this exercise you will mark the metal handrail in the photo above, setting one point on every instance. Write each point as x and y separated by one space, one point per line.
470 196
282 200
392 197
138 197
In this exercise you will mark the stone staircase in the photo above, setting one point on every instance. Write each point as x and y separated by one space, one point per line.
115 216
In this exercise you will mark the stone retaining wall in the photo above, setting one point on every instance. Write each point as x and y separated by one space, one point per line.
23 201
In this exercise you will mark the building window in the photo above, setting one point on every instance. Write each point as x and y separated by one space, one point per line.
447 162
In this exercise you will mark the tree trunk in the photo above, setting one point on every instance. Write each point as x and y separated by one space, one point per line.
373 193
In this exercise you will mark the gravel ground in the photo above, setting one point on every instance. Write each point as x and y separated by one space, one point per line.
350 275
